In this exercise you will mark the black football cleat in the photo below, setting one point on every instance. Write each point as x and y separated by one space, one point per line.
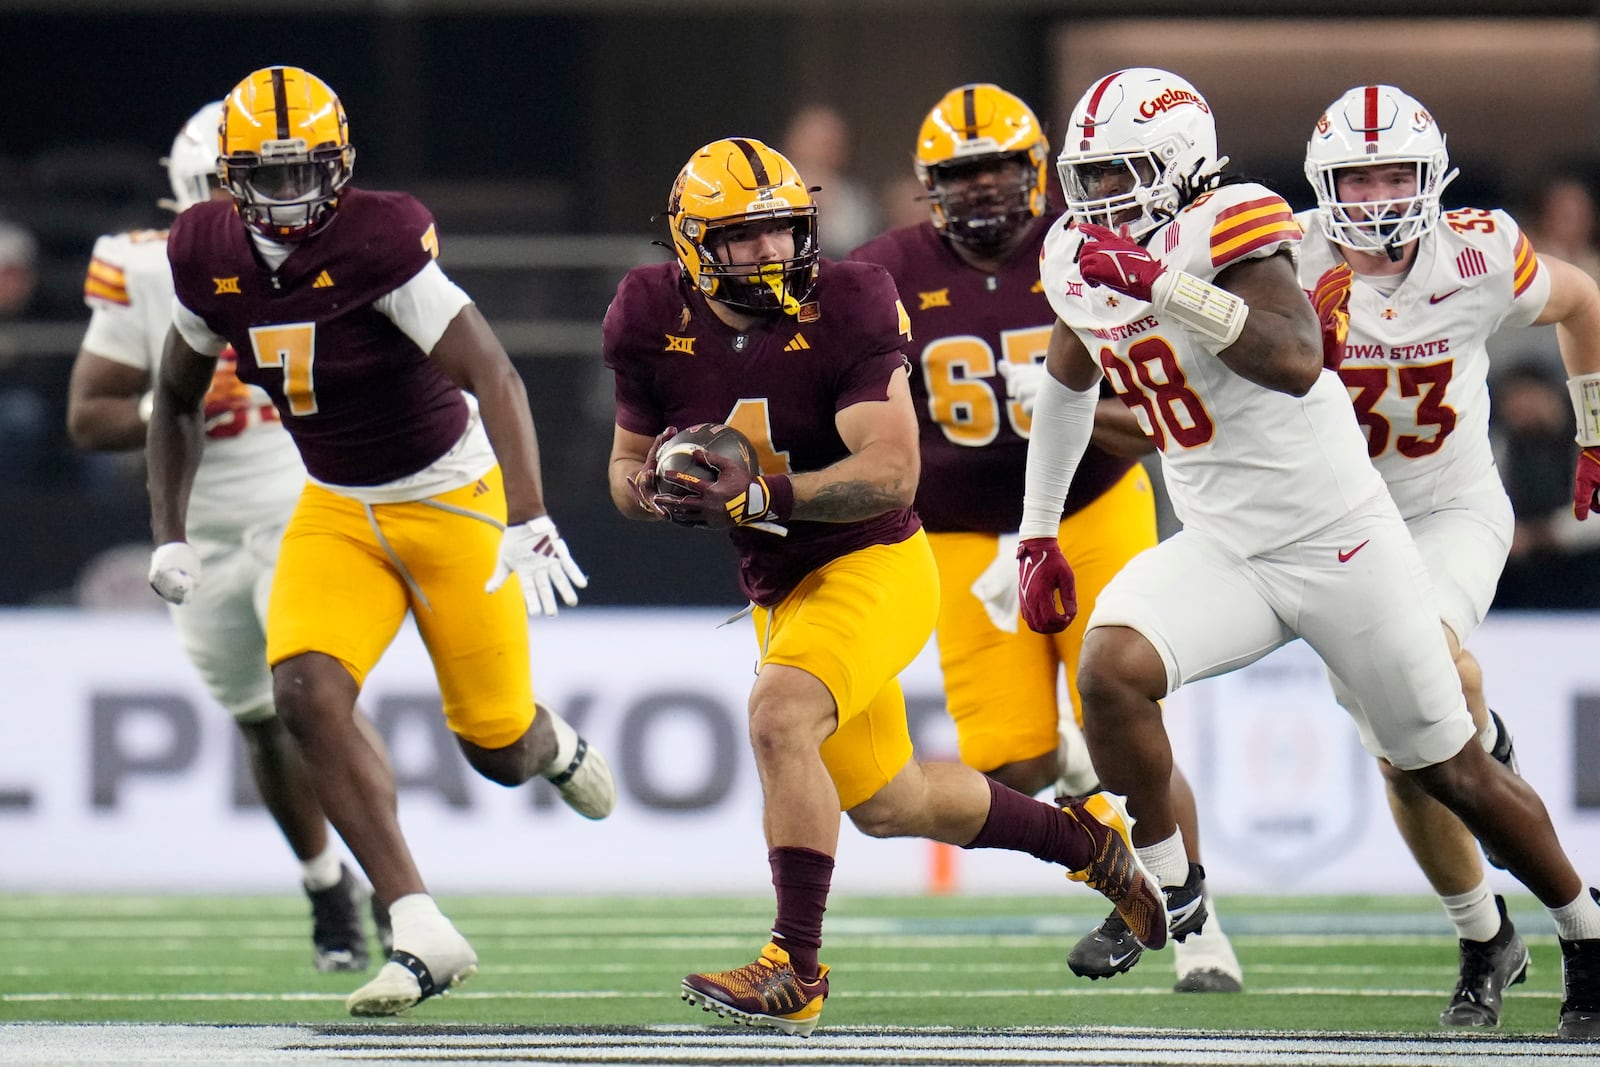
1487 969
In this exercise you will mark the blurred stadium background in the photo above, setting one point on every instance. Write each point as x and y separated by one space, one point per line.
544 135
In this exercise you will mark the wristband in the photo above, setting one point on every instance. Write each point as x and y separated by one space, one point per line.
1199 305
780 496
147 407
1585 392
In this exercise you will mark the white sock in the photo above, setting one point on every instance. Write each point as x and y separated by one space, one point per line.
1167 860
322 871
1488 736
1579 920
566 743
412 915
1474 913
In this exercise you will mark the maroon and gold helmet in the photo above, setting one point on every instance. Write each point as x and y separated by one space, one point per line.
284 151
734 182
975 127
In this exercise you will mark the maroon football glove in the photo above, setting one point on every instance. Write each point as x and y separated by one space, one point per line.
1586 481
1331 298
1117 263
1042 574
735 498
643 480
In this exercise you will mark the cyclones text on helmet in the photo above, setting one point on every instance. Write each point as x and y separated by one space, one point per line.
1376 125
736 182
285 151
978 130
1139 143
192 163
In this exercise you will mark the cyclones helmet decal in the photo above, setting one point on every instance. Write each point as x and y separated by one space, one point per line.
1137 142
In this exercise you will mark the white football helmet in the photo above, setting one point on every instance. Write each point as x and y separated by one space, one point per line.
192 163
1377 124
1137 143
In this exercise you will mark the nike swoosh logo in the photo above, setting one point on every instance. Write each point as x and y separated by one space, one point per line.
1439 297
1181 914
1345 557
1118 961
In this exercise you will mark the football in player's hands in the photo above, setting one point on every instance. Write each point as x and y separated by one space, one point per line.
677 469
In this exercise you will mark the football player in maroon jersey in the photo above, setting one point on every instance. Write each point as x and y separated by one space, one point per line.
424 494
752 329
244 491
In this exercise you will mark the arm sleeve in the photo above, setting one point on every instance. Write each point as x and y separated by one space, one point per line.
1063 421
199 336
424 307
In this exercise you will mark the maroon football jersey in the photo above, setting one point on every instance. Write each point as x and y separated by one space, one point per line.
781 382
965 324
364 404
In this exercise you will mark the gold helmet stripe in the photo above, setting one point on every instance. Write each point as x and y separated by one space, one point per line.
969 112
758 169
280 103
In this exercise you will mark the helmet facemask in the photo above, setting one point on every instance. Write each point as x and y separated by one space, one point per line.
1370 127
284 152
288 196
1121 191
1141 144
774 286
985 202
981 156
734 187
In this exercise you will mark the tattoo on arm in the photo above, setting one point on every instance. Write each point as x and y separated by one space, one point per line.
847 502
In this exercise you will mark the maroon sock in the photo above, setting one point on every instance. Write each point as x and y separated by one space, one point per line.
801 876
1022 824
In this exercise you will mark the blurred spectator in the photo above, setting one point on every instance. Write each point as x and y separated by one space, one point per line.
19 270
817 142
25 419
904 202
1555 560
1561 219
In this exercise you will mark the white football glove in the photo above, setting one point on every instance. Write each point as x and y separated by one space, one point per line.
1022 382
544 566
996 587
175 571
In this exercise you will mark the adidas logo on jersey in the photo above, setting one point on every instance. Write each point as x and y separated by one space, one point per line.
796 344
324 281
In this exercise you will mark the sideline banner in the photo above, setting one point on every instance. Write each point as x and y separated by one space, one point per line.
118 773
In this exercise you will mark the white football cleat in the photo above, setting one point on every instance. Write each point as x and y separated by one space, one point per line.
1205 960
410 977
585 783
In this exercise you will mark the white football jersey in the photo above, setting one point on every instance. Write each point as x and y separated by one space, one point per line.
1416 363
1255 468
250 473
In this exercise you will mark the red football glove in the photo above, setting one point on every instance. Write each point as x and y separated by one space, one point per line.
1331 298
735 498
643 480
1042 573
1118 263
1585 482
